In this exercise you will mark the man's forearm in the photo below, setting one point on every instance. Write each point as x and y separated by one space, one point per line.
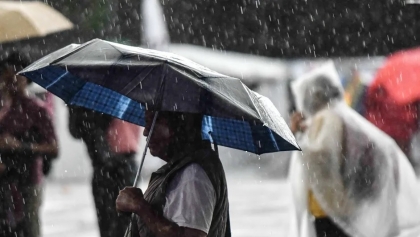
48 149
158 225
162 227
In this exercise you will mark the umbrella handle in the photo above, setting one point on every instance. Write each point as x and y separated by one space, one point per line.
129 228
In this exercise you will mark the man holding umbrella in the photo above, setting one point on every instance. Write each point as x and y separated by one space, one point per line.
188 195
186 103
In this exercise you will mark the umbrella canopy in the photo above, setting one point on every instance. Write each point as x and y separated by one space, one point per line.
21 20
251 69
400 77
390 100
124 81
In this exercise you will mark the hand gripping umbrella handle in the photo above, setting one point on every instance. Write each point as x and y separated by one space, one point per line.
133 216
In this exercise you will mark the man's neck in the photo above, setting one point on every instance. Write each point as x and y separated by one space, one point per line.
178 151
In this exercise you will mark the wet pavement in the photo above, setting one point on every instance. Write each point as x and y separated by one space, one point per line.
258 208
68 210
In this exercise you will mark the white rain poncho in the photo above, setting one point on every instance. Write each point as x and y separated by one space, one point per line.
359 176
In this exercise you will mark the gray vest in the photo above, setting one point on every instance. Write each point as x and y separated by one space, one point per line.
156 191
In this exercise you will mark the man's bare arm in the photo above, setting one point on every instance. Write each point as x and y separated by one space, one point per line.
131 200
10 143
46 148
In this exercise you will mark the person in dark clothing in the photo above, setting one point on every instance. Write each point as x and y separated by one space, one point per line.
27 147
187 197
112 147
326 227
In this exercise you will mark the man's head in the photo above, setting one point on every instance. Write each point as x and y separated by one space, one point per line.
319 93
173 132
9 81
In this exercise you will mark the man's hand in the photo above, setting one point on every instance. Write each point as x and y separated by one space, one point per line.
130 199
297 123
8 141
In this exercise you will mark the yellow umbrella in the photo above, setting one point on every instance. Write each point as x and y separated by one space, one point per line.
22 20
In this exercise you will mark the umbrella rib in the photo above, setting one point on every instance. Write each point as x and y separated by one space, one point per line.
130 85
77 49
248 91
56 80
115 48
162 84
216 93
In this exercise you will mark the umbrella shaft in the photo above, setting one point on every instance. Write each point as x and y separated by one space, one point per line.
129 228
145 149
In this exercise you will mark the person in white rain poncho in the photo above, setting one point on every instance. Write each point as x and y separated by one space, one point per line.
350 179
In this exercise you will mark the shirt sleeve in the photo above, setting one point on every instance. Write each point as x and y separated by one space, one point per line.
190 199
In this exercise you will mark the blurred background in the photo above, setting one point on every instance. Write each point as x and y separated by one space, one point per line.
266 43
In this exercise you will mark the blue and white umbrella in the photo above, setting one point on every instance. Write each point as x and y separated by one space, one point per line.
124 81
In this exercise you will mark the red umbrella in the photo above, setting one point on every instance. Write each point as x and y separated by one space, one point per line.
400 77
391 98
